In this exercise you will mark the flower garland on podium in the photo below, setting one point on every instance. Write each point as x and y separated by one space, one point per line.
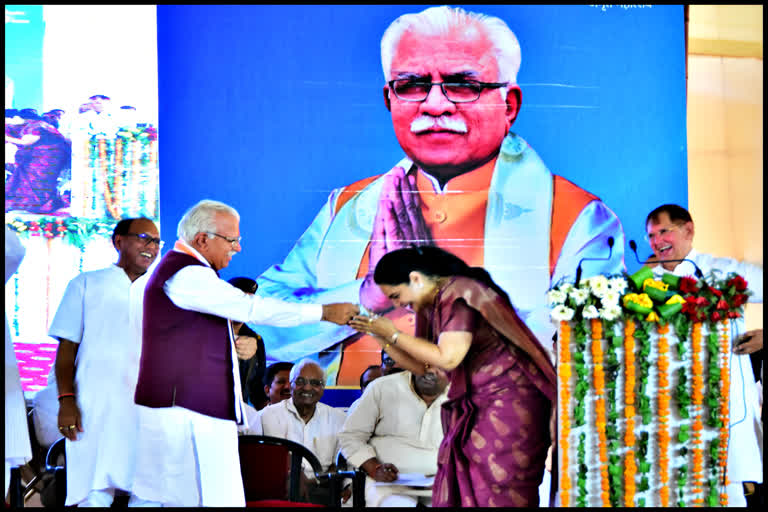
623 313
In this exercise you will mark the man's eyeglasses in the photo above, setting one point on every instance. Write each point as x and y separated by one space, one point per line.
231 240
408 89
301 382
146 239
653 236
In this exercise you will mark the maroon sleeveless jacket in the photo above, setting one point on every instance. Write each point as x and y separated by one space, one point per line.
186 357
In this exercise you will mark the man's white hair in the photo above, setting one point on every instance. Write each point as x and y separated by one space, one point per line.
201 218
296 370
441 20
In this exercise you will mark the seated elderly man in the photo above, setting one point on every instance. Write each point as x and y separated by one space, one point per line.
304 420
395 427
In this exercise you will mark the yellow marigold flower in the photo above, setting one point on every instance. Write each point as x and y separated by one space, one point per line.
655 284
675 299
652 317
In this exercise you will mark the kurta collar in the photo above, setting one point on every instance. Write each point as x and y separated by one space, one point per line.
477 179
182 246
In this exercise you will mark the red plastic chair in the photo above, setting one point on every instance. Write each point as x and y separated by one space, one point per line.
266 462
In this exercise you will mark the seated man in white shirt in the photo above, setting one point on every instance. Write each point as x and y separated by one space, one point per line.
306 421
395 427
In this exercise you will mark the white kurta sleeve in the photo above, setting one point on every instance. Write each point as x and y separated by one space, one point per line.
359 427
296 280
198 288
68 323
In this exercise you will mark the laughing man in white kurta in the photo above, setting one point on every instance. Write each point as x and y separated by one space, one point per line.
320 432
670 231
93 315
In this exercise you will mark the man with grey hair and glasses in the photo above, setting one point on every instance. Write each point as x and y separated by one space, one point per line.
188 389
466 184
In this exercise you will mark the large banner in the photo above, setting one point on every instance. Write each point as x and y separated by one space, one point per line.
273 109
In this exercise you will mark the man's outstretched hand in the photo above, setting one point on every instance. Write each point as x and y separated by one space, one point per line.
340 313
398 224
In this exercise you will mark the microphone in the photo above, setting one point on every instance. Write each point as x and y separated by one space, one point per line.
698 273
582 260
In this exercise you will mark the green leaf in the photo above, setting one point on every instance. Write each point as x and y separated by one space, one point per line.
644 467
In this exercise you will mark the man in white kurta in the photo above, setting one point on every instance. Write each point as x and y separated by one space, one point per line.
670 232
185 458
304 419
17 447
92 318
392 423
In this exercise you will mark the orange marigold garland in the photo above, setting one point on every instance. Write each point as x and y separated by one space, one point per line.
630 467
725 386
600 421
564 370
697 400
663 413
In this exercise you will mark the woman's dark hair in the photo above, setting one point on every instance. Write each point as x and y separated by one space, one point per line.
394 268
246 284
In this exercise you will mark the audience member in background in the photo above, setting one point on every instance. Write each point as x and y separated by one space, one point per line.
305 420
370 374
250 353
670 231
389 365
277 382
18 449
42 154
396 427
96 366
188 387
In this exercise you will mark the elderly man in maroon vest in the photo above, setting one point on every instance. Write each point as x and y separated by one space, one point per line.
188 387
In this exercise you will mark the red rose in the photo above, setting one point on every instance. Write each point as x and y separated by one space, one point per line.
733 314
717 293
715 316
721 304
688 285
738 282
739 299
702 301
49 226
34 226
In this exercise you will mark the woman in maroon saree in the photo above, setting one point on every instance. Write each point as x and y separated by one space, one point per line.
42 155
497 420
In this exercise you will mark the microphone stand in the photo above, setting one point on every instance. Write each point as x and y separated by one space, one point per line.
582 260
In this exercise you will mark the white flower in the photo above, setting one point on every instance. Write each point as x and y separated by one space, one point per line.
590 312
566 288
617 284
610 298
611 312
598 284
556 297
579 295
561 313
